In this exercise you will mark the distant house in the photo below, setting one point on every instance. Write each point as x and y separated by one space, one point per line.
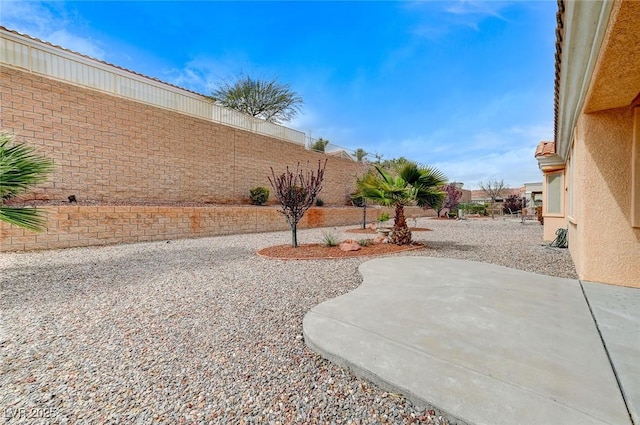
592 167
480 197
533 194
466 194
341 154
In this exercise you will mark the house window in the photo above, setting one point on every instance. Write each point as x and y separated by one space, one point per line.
554 194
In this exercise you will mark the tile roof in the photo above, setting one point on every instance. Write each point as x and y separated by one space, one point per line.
545 149
559 39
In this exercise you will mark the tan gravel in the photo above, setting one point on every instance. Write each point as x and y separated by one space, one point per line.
205 331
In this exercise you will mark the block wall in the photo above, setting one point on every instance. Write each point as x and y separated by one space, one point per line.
76 226
111 149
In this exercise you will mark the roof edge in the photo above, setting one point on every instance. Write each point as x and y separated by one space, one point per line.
582 26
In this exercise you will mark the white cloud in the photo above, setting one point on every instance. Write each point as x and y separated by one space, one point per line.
70 41
505 154
476 8
515 167
461 13
48 22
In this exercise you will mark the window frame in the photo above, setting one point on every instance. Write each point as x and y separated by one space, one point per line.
561 186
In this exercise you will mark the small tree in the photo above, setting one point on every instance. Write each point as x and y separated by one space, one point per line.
319 145
20 169
266 99
296 193
513 203
493 189
451 199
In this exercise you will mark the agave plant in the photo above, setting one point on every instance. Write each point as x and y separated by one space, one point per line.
20 170
410 184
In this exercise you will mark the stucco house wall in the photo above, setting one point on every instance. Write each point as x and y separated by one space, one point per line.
608 246
597 139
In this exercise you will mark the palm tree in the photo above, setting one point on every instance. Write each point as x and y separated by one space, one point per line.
20 169
412 184
360 154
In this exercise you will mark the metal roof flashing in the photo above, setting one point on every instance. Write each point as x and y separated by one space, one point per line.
581 29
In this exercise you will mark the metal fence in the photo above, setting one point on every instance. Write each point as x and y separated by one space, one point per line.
337 150
45 59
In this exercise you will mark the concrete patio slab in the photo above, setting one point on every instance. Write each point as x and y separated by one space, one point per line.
617 313
483 343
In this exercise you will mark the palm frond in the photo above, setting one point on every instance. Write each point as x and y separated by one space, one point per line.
431 177
20 167
27 218
413 183
20 170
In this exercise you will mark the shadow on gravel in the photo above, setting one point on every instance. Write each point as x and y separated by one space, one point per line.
91 274
450 246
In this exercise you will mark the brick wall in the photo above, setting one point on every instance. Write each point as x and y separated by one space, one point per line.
108 148
75 226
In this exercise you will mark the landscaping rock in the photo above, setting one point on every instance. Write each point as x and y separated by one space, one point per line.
350 245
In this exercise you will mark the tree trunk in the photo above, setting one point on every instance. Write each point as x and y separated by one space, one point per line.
294 235
364 214
401 234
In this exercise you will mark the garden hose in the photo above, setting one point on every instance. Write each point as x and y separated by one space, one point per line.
561 239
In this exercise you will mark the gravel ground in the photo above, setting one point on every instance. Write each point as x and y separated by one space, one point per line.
205 331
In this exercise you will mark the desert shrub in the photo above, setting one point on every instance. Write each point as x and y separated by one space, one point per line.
259 195
319 202
513 203
383 217
329 239
364 242
471 208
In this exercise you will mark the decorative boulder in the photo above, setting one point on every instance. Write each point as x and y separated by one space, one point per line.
350 245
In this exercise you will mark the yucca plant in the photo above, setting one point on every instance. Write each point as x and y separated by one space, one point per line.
20 170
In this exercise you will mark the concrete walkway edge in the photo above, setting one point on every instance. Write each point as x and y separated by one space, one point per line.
480 343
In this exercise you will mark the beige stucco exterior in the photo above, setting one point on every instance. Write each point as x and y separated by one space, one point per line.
604 245
597 141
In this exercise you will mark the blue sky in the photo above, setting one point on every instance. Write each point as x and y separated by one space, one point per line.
466 86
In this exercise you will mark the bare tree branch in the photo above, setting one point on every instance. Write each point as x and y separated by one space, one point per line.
296 193
493 189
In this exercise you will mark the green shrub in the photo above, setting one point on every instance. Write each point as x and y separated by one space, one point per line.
364 242
259 195
471 208
383 217
329 239
319 202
